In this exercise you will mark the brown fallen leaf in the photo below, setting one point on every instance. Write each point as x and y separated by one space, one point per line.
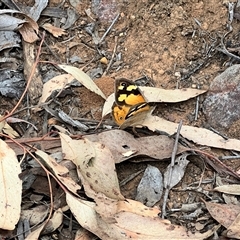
124 146
55 31
223 213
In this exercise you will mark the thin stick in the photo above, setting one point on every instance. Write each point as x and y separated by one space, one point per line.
113 54
105 34
174 152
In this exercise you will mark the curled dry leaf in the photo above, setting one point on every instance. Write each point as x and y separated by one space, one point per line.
7 129
56 83
59 171
55 31
29 28
54 222
95 165
10 187
83 78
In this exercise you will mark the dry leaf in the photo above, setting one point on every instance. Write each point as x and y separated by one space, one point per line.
83 78
56 83
10 188
54 222
59 171
55 31
35 215
152 94
223 213
233 230
7 129
107 107
200 136
128 219
121 143
29 28
230 189
34 235
95 165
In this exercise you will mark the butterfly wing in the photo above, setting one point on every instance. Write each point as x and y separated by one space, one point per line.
127 93
129 101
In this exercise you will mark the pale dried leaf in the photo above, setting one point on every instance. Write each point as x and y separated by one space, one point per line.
152 94
34 235
10 188
107 107
59 171
83 211
54 222
95 165
55 31
200 136
56 83
7 129
233 230
127 220
83 78
230 189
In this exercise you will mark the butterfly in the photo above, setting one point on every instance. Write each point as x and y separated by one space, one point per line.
129 101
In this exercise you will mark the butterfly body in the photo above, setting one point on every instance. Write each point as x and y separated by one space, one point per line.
129 101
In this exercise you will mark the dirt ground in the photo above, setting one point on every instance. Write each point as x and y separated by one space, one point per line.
166 44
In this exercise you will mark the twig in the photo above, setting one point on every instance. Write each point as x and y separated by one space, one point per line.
196 108
174 152
113 54
105 34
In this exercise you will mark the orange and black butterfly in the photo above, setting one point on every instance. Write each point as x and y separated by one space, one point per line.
129 101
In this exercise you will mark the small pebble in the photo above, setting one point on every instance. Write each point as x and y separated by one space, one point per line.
104 60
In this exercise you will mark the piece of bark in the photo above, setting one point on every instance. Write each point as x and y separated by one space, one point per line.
36 84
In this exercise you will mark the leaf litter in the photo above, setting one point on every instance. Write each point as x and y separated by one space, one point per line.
100 206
